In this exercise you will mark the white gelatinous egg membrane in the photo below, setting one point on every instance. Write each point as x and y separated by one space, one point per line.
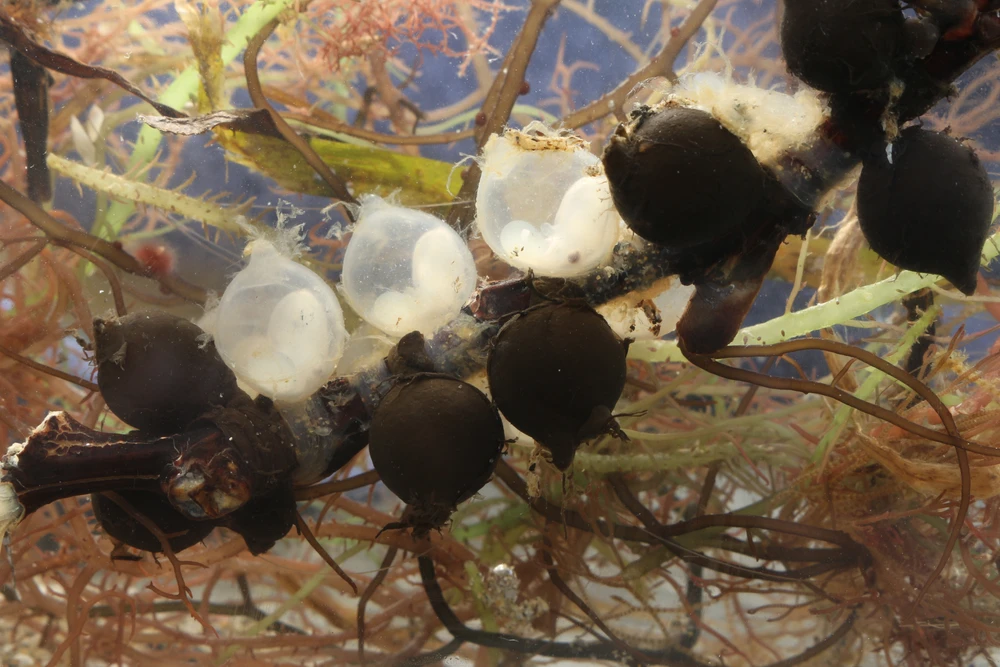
546 209
406 270
629 316
279 326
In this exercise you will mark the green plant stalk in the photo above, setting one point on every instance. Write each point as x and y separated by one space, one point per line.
764 419
185 87
127 190
307 588
478 592
871 383
841 310
606 464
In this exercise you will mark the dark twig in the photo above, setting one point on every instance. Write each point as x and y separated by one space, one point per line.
42 368
21 260
259 100
850 553
252 611
433 657
64 235
337 486
383 571
661 65
109 274
18 38
304 530
953 436
570 594
219 608
499 103
602 651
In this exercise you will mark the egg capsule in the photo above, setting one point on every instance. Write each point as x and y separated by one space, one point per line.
679 178
406 270
180 531
556 372
543 204
279 326
435 441
925 203
842 46
158 372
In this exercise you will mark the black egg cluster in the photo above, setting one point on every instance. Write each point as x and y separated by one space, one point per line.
716 216
925 203
924 200
160 373
157 372
681 180
555 371
843 45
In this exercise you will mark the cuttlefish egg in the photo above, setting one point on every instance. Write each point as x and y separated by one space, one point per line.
279 326
406 270
543 204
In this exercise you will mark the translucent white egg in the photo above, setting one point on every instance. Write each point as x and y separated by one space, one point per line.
406 270
279 326
544 204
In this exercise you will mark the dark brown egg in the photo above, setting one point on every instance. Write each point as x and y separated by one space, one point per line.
435 441
925 203
158 372
840 46
181 532
556 372
264 520
681 179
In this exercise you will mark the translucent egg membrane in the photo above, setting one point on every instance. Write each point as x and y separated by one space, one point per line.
544 204
279 326
406 270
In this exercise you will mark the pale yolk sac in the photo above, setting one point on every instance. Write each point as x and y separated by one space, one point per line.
406 270
279 326
544 205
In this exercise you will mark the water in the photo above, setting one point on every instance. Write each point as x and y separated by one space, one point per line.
737 522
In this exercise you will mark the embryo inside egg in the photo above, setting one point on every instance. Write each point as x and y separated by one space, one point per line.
543 204
406 270
279 326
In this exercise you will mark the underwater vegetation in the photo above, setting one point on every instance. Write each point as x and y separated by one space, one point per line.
472 332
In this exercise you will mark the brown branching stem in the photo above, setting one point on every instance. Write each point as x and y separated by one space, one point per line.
16 264
953 437
337 186
109 274
219 608
570 594
599 651
383 571
307 533
62 235
499 103
337 486
849 553
183 592
660 65
48 370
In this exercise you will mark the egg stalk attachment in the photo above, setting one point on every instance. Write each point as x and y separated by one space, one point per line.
63 458
210 470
